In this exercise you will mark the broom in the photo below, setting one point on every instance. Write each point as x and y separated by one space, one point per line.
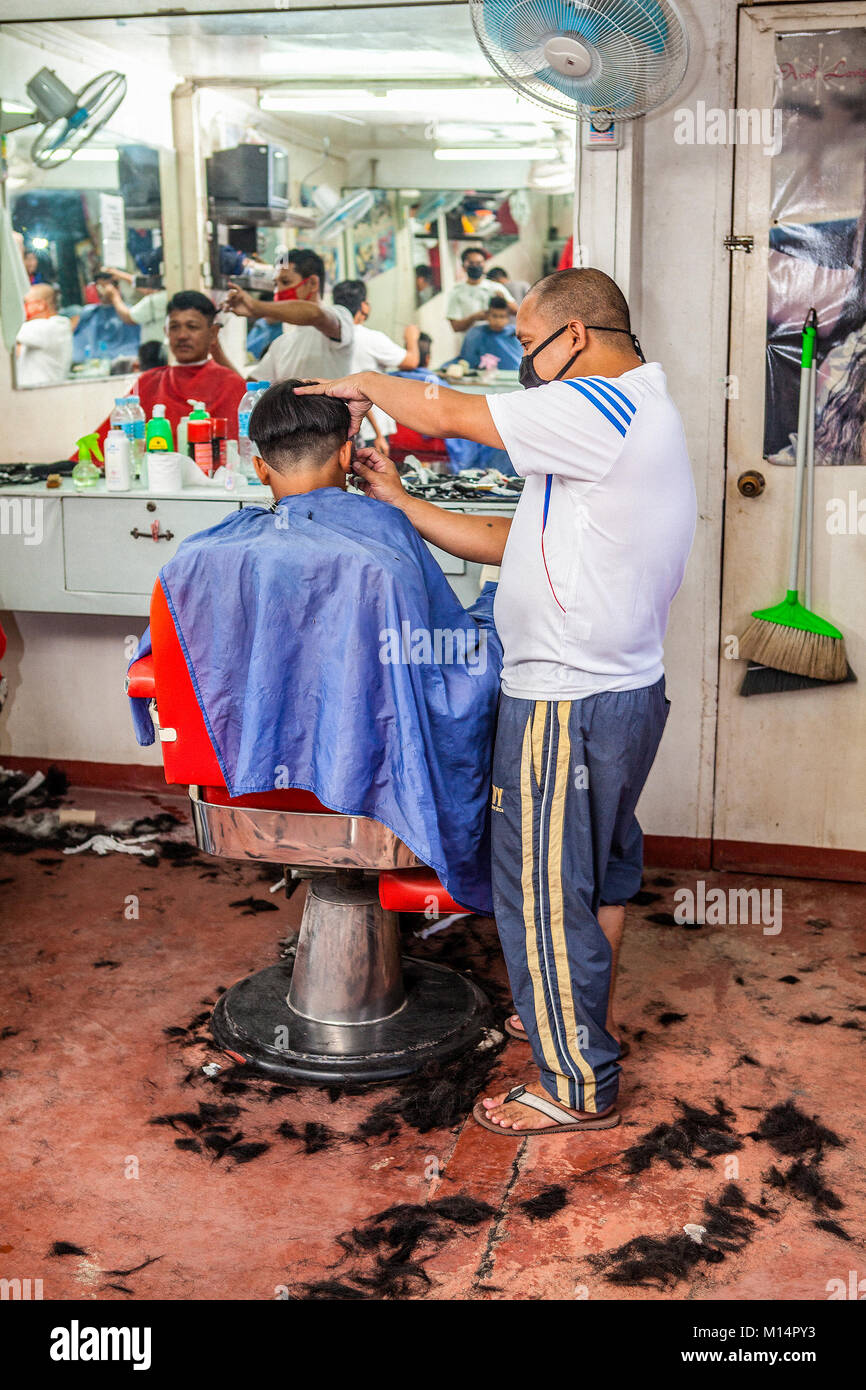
788 636
764 680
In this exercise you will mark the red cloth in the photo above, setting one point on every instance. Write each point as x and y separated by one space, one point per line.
220 388
567 258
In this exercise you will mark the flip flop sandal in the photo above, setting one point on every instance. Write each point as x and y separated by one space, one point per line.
565 1121
520 1034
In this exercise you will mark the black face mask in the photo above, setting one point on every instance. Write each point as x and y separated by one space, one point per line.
528 376
474 272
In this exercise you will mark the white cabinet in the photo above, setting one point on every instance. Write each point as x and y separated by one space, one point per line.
120 544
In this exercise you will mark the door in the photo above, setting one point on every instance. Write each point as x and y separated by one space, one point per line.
791 767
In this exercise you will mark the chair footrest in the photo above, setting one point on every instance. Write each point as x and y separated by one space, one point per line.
415 890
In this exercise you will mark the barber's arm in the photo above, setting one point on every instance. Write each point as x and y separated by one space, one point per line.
303 312
424 406
478 538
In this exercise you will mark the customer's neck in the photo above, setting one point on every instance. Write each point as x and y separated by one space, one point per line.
302 480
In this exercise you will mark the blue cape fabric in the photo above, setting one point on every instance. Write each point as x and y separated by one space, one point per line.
328 651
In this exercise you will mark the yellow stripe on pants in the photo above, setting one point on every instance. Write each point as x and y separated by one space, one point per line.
528 883
557 915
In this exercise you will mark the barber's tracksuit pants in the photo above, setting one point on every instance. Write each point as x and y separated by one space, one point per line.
567 775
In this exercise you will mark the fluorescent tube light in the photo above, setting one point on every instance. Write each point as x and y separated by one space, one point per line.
518 153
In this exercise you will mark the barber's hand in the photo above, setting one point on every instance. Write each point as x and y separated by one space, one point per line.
240 303
378 477
346 389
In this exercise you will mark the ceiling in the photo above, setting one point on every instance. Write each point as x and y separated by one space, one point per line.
366 48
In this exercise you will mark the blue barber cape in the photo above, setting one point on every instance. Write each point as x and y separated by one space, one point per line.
328 651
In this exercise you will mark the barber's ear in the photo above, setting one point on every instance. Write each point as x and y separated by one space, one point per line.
578 330
313 286
263 473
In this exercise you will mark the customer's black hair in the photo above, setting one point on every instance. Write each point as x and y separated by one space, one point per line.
471 251
151 354
497 302
307 263
497 272
425 271
289 430
192 299
351 294
425 343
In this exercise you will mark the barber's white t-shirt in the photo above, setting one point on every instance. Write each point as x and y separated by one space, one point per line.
302 351
376 352
600 539
45 358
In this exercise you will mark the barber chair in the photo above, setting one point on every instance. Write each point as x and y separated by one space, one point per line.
348 1007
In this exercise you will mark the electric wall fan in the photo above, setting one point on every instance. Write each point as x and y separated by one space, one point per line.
68 119
582 57
345 214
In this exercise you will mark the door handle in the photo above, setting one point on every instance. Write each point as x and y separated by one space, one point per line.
751 483
154 534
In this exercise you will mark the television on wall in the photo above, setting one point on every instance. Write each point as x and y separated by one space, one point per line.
249 176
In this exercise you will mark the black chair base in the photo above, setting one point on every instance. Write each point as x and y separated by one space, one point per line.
443 1015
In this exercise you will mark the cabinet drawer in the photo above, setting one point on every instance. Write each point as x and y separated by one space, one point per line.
100 553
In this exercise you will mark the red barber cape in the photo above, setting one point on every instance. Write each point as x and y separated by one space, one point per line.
220 388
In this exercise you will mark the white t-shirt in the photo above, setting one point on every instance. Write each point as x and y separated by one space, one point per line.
149 314
302 351
46 355
470 297
376 352
601 535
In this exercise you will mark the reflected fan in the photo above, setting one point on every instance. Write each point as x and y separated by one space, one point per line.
68 119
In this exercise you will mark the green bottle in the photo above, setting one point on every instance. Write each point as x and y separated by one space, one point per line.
85 473
158 435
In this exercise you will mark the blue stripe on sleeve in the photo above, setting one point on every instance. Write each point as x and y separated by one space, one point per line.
608 414
613 396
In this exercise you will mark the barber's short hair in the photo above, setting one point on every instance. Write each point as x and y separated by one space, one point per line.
192 299
351 294
471 251
289 430
497 302
582 293
307 263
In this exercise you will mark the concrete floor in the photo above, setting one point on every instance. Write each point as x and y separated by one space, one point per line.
89 991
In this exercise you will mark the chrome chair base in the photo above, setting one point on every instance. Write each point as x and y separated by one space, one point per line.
442 1015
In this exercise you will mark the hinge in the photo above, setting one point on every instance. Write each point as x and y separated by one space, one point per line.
739 243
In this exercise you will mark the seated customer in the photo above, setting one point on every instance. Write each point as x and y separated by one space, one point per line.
495 337
194 375
329 652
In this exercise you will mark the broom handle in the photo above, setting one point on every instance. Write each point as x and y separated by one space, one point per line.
810 488
802 426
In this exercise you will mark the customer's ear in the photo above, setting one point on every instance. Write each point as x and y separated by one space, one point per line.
345 457
263 473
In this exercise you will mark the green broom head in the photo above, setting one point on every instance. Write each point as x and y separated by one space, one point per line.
791 613
788 637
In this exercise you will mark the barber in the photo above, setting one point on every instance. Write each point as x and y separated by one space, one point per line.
590 563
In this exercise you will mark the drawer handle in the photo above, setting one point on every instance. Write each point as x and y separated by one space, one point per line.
154 534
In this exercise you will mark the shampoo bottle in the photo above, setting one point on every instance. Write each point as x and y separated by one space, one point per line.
158 435
117 460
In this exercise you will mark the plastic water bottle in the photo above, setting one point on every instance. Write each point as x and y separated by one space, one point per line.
119 418
135 427
245 410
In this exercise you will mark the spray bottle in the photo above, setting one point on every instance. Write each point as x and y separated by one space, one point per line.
85 473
